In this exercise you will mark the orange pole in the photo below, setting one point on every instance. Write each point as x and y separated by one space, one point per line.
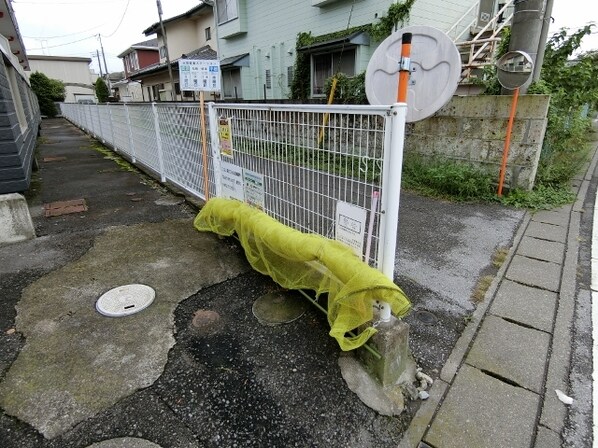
204 146
404 67
505 153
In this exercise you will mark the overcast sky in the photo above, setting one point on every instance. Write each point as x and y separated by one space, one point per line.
70 27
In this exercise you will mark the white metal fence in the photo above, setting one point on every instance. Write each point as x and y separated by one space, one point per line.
306 158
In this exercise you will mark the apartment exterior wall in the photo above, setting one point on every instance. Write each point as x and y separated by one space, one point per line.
19 122
268 31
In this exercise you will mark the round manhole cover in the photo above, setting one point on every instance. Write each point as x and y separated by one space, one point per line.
278 308
426 317
125 300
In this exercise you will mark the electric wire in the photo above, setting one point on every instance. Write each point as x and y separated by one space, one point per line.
121 20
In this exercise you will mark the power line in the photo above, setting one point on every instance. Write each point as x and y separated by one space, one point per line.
65 35
121 20
63 45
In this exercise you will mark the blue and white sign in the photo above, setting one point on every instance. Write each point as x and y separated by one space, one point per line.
199 75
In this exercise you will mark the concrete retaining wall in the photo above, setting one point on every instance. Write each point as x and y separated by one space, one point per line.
472 129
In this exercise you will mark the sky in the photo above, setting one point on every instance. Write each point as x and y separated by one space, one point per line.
71 27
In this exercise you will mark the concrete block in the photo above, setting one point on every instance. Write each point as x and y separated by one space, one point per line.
552 217
541 274
483 412
541 249
530 306
15 221
548 232
499 349
392 342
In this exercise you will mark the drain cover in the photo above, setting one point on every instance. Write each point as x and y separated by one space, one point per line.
125 300
278 308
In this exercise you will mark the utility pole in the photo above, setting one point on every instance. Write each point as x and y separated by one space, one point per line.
105 66
99 63
159 4
526 30
543 39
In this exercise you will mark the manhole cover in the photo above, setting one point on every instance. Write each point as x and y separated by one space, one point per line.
125 300
426 317
278 308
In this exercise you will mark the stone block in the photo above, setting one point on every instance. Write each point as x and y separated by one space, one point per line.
541 249
548 232
511 351
15 220
530 306
483 412
552 217
392 342
541 274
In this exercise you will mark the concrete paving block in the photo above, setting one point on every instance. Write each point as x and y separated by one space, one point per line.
481 411
15 221
541 274
511 351
547 438
548 232
552 217
542 249
524 304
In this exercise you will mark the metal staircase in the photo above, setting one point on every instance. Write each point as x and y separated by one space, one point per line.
477 44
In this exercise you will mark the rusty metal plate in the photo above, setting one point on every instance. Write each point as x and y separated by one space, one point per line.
54 159
64 207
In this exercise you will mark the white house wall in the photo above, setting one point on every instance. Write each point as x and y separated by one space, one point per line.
69 72
272 29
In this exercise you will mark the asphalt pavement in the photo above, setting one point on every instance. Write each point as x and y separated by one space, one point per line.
196 368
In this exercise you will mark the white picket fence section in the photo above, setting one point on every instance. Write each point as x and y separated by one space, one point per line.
307 159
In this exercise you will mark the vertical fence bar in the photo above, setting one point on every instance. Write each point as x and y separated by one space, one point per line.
133 156
159 143
213 126
112 128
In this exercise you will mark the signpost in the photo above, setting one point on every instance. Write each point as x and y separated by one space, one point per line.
201 75
416 70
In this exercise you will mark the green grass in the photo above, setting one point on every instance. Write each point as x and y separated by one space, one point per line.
459 182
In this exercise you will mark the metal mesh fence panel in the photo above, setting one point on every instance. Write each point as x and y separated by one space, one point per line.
180 134
312 158
143 132
121 129
106 124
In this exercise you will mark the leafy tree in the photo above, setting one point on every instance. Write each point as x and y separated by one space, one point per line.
102 91
48 91
572 83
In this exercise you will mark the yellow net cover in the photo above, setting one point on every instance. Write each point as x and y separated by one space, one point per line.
297 260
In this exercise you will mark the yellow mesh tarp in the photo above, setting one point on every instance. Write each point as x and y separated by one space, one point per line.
297 260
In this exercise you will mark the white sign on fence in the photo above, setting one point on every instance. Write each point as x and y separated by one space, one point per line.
254 189
199 75
232 181
350 226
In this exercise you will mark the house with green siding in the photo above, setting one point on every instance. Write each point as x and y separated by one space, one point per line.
258 39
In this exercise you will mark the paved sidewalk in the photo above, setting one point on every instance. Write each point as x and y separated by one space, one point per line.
497 388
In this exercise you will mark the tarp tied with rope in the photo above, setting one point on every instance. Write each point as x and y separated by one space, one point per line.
297 260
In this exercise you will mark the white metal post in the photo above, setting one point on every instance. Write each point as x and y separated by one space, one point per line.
392 196
112 127
133 157
159 143
213 126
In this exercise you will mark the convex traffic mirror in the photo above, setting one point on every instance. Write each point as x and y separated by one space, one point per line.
514 69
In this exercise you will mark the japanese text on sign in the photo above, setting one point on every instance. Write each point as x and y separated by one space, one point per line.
199 75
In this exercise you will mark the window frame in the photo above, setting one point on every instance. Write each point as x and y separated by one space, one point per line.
228 18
